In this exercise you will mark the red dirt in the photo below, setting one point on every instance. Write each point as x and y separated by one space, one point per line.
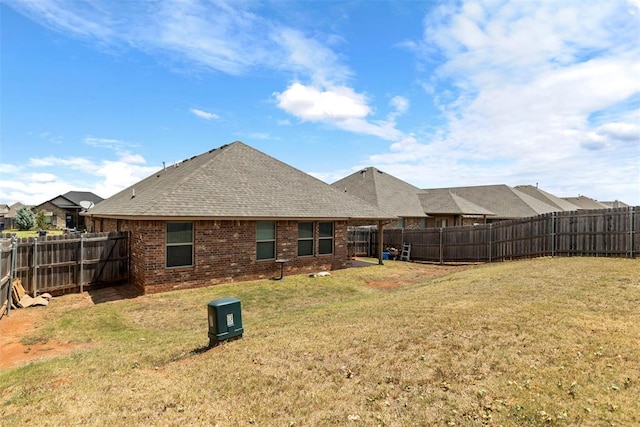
13 328
22 322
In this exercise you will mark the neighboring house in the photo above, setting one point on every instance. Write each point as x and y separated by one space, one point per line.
229 214
616 204
548 198
64 211
447 209
586 203
502 201
10 216
4 210
388 193
441 207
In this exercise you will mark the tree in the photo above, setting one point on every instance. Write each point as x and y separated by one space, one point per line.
41 220
25 219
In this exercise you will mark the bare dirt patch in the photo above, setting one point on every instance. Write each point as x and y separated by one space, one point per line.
19 324
23 322
415 273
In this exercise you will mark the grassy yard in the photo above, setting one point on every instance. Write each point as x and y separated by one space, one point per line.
32 233
548 342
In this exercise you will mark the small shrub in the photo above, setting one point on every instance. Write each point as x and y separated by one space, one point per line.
25 219
41 220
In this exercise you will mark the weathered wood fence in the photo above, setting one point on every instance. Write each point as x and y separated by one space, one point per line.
59 263
603 232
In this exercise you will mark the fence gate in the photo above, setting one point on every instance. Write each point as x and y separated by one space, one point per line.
62 263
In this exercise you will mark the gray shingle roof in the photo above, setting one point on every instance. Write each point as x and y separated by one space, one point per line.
79 196
583 202
384 191
234 181
504 201
548 198
443 201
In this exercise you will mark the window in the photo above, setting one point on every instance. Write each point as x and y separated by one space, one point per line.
305 238
423 223
265 240
325 238
179 244
441 223
400 223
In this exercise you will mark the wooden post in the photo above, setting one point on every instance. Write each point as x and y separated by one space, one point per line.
380 241
631 232
490 243
441 248
12 266
81 261
35 267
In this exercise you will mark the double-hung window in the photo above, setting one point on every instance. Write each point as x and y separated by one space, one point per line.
179 246
265 240
305 239
325 238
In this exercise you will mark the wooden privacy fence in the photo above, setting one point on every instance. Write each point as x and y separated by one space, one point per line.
602 232
56 263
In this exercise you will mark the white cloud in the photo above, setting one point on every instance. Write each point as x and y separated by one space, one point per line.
42 178
204 114
117 175
621 131
339 106
50 176
519 88
311 57
313 104
226 37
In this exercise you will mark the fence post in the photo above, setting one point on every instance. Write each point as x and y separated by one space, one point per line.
81 260
554 225
35 267
12 266
631 231
491 242
441 248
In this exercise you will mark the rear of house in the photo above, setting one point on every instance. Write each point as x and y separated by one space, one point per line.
227 215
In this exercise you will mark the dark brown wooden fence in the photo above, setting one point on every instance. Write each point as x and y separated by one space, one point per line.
603 232
58 263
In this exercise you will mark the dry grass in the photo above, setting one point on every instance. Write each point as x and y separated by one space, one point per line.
540 342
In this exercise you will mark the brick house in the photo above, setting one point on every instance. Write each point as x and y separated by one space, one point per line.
229 214
415 208
63 211
447 207
388 193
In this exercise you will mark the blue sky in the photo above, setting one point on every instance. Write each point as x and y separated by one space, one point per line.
95 96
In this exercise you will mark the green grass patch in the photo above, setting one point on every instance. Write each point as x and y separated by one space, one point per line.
537 343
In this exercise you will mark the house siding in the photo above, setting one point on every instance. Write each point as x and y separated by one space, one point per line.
224 251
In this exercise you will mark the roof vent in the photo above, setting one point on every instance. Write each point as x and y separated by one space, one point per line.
133 193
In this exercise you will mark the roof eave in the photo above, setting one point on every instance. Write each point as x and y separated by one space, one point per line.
238 218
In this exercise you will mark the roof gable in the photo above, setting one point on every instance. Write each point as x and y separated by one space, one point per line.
504 201
384 191
543 196
78 196
584 202
234 181
443 201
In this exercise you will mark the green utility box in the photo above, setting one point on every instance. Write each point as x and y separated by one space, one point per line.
225 320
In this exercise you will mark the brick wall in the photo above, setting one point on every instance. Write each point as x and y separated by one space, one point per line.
59 219
224 251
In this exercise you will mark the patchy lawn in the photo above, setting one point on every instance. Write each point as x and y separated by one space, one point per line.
538 342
